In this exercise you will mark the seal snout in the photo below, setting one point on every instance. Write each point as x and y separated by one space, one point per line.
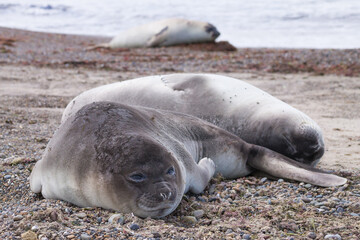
165 196
212 30
165 192
309 145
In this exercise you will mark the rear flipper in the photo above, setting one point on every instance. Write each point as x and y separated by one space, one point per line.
201 175
35 178
277 165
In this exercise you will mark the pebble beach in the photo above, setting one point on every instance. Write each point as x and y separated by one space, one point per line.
41 72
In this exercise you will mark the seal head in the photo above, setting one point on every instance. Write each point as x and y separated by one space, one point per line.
151 191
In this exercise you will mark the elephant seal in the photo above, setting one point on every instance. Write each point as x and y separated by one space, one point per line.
165 32
142 160
231 104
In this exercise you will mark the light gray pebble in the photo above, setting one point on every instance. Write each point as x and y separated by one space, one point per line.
81 215
333 236
85 236
279 181
189 219
247 236
340 210
263 180
321 210
318 204
198 213
354 214
312 235
115 216
34 228
308 185
18 217
7 176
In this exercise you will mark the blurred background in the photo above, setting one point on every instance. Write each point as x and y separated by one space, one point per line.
244 23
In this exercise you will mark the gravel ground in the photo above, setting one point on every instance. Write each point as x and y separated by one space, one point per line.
40 73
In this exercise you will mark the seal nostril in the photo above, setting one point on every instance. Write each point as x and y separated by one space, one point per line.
165 196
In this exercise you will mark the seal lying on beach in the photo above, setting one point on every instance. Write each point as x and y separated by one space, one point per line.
142 160
165 32
231 104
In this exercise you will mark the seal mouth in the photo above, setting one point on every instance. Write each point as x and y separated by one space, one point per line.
149 203
158 211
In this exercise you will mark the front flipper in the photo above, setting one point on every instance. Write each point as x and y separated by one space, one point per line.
158 39
201 175
280 166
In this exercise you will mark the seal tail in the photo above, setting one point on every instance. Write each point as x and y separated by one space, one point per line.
280 166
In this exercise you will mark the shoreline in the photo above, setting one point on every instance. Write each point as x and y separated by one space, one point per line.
41 72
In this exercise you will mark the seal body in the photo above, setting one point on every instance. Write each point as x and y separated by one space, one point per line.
142 160
165 32
232 104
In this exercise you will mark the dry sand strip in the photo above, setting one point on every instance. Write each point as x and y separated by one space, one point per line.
33 96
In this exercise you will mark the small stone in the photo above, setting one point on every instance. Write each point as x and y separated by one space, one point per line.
354 214
34 228
319 196
247 236
306 200
70 236
340 210
312 235
198 213
29 235
189 219
263 180
18 217
115 217
85 236
81 215
318 204
7 177
99 219
134 227
321 210
333 236
156 235
68 210
121 220
54 226
201 199
53 216
279 181
354 207
308 185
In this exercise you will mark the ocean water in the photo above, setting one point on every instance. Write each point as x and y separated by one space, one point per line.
244 23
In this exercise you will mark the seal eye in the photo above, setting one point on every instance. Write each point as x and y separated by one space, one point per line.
138 177
171 171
